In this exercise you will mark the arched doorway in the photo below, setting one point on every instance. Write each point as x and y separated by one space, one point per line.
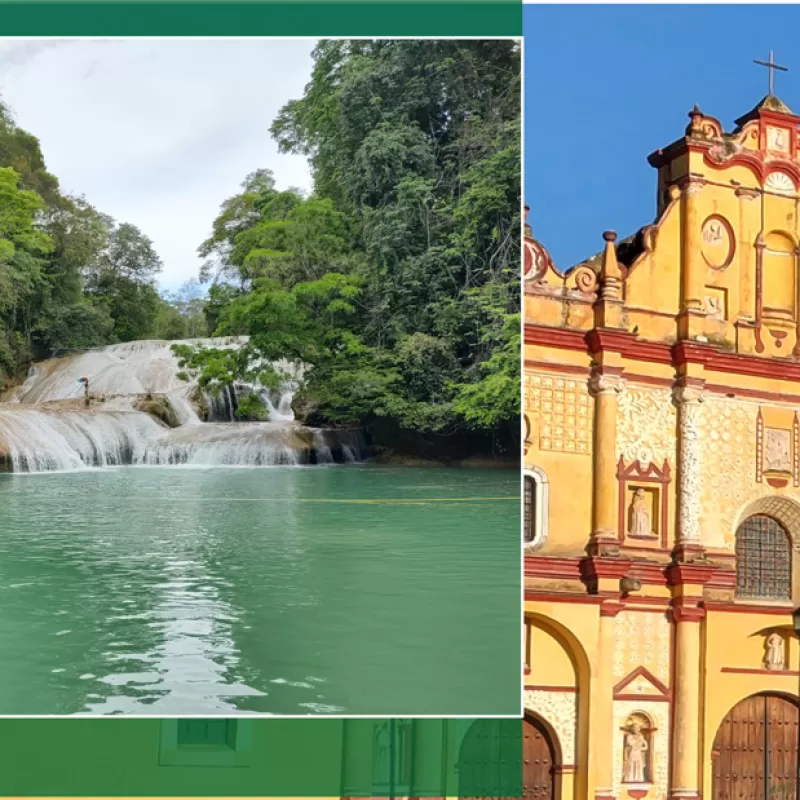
539 761
755 750
489 760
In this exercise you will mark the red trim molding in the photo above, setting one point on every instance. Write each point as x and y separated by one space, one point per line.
697 574
748 671
533 596
537 566
564 339
611 608
663 692
594 568
687 609
566 369
747 608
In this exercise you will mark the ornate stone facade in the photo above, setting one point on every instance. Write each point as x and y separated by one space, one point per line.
690 462
559 710
560 410
646 425
641 639
658 713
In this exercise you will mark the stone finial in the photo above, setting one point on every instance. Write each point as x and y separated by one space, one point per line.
610 273
695 126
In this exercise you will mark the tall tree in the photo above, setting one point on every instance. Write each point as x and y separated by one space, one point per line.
397 281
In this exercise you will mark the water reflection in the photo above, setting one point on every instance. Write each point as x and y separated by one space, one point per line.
150 591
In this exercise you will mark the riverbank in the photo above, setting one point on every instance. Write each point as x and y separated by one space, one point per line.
391 459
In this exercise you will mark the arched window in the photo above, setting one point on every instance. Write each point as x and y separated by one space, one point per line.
763 560
534 520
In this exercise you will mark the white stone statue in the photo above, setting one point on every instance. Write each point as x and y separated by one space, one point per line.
776 652
634 766
640 515
777 449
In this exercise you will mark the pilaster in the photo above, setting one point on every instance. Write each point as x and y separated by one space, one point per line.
691 323
602 720
604 386
688 397
688 612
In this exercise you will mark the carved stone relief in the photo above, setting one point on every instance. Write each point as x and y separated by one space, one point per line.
646 425
561 410
777 450
729 474
690 462
641 640
560 711
627 711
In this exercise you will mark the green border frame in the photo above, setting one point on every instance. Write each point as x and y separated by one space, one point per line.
324 18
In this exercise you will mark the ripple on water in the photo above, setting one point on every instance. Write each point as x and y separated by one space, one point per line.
189 591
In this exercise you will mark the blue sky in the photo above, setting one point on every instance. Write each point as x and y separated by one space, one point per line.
606 85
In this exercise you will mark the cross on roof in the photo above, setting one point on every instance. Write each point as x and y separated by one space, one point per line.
772 66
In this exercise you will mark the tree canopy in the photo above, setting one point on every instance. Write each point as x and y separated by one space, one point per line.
397 280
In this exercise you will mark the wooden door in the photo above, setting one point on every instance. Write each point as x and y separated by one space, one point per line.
755 751
537 762
489 761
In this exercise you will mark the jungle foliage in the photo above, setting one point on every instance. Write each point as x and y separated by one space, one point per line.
397 280
70 276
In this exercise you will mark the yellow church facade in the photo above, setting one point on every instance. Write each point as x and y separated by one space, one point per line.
662 483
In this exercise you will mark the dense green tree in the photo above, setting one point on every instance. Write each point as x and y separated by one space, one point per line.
397 280
69 275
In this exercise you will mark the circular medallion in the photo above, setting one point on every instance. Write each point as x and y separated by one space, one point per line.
528 271
717 242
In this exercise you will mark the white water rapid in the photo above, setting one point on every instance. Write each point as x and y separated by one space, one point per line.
143 411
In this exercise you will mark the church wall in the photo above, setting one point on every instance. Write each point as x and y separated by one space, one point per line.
733 656
646 287
560 690
559 408
689 368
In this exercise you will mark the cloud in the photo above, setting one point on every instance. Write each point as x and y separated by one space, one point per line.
158 132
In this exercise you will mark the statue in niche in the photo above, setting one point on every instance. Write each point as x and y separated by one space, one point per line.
775 657
777 450
635 751
640 526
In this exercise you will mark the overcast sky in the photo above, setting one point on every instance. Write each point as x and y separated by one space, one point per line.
158 133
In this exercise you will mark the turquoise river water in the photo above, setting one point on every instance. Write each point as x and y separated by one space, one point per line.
352 589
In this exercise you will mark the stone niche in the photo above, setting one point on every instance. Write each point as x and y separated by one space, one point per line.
643 510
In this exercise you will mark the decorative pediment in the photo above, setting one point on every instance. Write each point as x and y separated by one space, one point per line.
641 683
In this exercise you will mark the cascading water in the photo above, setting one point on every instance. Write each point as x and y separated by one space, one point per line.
143 411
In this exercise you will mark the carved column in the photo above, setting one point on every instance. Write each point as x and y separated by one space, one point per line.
604 388
688 400
693 263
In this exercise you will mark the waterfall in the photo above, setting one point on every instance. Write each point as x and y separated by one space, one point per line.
143 412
